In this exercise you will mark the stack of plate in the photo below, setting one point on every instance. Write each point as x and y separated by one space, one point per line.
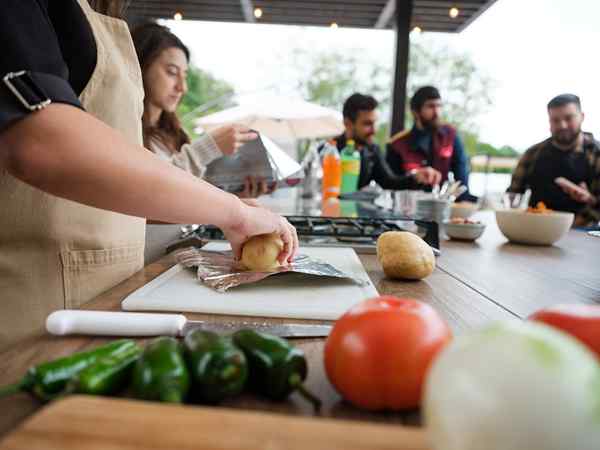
434 209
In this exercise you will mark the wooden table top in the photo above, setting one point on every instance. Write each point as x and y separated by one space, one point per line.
473 284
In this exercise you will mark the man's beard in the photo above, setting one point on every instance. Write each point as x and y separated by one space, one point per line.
566 138
432 124
360 142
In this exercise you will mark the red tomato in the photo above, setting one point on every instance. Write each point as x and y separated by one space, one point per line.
581 321
378 352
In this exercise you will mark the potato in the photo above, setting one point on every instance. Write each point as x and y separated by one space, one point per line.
404 255
260 252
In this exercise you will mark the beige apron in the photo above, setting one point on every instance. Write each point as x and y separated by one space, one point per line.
55 253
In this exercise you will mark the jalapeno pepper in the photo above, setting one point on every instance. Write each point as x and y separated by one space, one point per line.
276 367
48 380
218 369
161 373
106 376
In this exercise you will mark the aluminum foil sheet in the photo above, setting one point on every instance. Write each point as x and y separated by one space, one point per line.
220 271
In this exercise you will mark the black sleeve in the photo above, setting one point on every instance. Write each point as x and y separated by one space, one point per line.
387 179
30 43
394 160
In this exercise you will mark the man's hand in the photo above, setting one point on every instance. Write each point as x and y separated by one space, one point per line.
231 137
427 175
581 221
579 193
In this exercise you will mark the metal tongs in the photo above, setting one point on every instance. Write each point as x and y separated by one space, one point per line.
450 190
515 200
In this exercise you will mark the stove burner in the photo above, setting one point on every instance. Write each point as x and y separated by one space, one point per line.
359 231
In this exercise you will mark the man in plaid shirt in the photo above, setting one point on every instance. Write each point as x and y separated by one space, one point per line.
568 153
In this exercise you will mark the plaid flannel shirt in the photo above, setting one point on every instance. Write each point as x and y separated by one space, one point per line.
522 174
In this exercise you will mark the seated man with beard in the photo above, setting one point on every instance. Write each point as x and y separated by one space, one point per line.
429 143
569 154
360 124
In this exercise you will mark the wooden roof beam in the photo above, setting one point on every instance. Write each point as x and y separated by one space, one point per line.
248 11
386 14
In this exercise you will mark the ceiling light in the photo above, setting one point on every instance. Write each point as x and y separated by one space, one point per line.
258 13
333 25
178 16
417 30
454 12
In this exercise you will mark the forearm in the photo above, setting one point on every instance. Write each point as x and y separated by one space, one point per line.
397 182
591 213
93 164
195 157
518 181
460 164
387 179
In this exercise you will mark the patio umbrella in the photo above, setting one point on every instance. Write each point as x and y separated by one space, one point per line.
279 117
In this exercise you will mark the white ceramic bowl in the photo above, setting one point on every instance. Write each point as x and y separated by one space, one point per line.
531 228
464 231
464 210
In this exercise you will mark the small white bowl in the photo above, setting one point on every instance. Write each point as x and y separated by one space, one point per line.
464 231
464 210
533 228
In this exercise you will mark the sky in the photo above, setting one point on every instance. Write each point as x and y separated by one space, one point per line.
533 49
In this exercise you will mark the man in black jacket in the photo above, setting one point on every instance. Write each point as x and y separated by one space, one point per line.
360 118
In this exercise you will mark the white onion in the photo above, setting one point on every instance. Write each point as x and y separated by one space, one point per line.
514 385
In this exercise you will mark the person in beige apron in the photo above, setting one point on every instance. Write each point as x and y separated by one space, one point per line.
57 253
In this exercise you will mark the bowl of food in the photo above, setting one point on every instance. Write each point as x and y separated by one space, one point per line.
463 229
463 210
537 226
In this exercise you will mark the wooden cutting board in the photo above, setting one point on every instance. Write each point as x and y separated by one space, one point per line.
288 295
120 424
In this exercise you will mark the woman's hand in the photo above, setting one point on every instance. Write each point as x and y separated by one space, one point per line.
231 137
255 187
255 220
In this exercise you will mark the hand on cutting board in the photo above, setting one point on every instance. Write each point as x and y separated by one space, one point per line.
231 137
257 220
580 193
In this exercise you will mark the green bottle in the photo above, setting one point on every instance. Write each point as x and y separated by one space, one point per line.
350 167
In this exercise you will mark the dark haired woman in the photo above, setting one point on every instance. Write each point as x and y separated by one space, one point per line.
75 181
164 62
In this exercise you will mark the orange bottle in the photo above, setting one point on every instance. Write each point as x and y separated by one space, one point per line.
332 171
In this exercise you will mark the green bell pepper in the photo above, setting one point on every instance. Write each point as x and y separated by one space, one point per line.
218 368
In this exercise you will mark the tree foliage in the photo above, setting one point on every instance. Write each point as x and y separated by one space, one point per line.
206 94
328 77
466 91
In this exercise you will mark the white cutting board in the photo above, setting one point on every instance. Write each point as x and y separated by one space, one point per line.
287 295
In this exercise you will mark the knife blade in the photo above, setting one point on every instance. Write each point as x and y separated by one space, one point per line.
112 323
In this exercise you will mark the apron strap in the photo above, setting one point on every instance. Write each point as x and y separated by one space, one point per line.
36 90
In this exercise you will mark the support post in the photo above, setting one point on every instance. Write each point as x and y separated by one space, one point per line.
402 19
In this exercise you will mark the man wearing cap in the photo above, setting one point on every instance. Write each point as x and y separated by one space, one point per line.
429 143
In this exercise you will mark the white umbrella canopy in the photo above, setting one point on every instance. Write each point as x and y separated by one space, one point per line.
279 117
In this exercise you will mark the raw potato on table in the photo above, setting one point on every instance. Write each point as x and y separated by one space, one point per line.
405 255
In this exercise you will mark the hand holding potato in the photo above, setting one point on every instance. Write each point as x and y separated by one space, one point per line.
260 252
